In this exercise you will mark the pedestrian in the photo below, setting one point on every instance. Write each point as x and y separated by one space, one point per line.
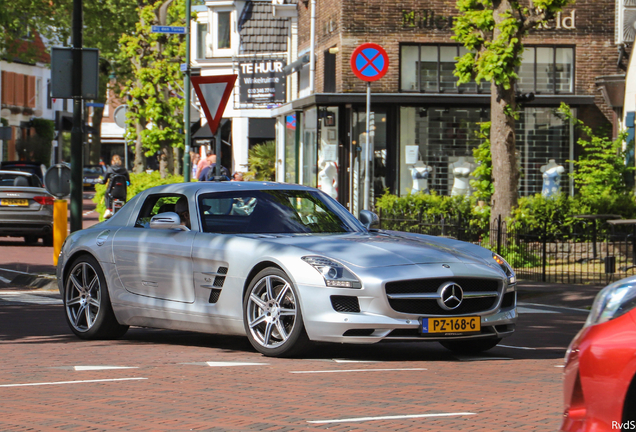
237 176
204 162
194 165
210 160
114 170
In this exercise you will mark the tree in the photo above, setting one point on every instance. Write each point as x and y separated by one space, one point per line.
492 31
154 93
262 161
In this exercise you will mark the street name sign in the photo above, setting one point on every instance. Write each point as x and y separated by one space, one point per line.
168 29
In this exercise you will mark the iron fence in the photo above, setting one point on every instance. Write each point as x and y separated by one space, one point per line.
586 252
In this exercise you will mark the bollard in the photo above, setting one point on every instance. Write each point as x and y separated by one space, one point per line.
60 226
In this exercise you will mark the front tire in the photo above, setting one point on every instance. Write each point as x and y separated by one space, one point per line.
470 346
89 312
272 316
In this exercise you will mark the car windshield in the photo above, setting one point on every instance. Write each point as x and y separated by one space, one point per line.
93 170
274 212
7 179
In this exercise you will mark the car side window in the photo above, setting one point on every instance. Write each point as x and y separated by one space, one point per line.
154 205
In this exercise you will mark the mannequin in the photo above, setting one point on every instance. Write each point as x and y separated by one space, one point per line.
420 172
328 179
551 178
461 172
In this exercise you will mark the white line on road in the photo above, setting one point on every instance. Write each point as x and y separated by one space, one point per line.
554 307
357 370
560 366
516 347
97 368
226 364
87 213
398 417
71 382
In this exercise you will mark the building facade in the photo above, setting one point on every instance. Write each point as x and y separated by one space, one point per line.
254 40
423 126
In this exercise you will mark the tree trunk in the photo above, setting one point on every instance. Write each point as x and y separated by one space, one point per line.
96 143
164 160
177 158
139 164
505 172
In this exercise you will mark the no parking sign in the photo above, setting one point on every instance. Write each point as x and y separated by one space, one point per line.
369 62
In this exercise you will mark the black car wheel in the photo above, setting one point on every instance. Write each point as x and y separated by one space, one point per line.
87 304
272 316
470 346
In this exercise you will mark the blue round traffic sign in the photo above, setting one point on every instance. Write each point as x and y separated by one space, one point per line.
369 62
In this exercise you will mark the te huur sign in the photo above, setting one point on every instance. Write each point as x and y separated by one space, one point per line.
262 82
428 19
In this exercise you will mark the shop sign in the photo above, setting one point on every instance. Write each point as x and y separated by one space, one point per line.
262 82
428 19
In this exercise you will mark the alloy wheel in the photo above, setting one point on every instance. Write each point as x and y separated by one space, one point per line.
83 296
271 311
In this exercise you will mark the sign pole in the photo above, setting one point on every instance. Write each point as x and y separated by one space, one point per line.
368 152
186 108
369 62
76 132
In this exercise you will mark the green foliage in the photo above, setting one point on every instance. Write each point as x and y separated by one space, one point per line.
138 183
4 121
483 184
154 92
262 161
600 171
44 128
409 210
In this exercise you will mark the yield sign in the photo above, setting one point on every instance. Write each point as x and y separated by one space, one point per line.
213 93
369 62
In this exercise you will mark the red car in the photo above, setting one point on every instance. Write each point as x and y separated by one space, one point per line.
600 365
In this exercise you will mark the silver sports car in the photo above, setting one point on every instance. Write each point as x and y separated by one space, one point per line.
282 264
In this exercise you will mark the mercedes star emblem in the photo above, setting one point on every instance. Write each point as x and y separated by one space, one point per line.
450 296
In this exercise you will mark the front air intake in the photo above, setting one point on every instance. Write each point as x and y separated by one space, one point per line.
345 303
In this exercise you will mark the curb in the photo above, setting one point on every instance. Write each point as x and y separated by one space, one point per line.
12 278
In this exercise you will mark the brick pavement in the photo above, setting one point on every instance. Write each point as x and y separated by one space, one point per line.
180 392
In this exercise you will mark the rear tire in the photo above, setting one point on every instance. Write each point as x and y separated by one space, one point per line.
272 316
89 312
48 240
30 239
470 346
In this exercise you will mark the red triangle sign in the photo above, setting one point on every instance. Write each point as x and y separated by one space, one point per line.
214 92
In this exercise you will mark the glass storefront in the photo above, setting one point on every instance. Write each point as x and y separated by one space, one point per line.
290 149
436 148
328 164
308 148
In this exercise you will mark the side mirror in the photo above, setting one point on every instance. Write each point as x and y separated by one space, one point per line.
369 219
167 220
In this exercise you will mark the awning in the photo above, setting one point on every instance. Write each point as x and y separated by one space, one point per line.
205 133
297 65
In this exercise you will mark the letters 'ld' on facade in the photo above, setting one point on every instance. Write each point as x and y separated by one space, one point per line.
423 125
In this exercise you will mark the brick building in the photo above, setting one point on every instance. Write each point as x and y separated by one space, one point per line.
421 121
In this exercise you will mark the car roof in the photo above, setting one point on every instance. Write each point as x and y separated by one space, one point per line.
224 186
24 173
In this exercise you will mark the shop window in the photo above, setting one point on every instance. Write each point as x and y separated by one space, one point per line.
430 69
329 73
202 32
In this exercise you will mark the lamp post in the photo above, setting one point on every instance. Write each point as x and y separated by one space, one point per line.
77 132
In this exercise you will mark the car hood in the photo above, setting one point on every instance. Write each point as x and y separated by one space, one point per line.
377 249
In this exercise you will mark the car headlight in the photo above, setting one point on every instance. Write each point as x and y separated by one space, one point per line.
613 301
335 274
505 267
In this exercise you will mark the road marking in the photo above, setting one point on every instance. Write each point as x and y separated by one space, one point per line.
357 370
469 358
527 310
226 364
87 213
554 307
71 382
516 347
398 417
97 368
560 366
27 297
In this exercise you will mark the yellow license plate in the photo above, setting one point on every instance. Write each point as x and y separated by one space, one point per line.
451 326
14 202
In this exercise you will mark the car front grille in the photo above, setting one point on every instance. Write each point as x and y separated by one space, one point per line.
410 289
345 303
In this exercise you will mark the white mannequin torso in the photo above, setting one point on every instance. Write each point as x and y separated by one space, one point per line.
328 179
420 173
461 171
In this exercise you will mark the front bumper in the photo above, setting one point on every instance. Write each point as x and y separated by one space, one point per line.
375 320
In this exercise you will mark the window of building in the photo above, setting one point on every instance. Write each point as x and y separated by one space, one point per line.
430 69
49 100
202 32
222 32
